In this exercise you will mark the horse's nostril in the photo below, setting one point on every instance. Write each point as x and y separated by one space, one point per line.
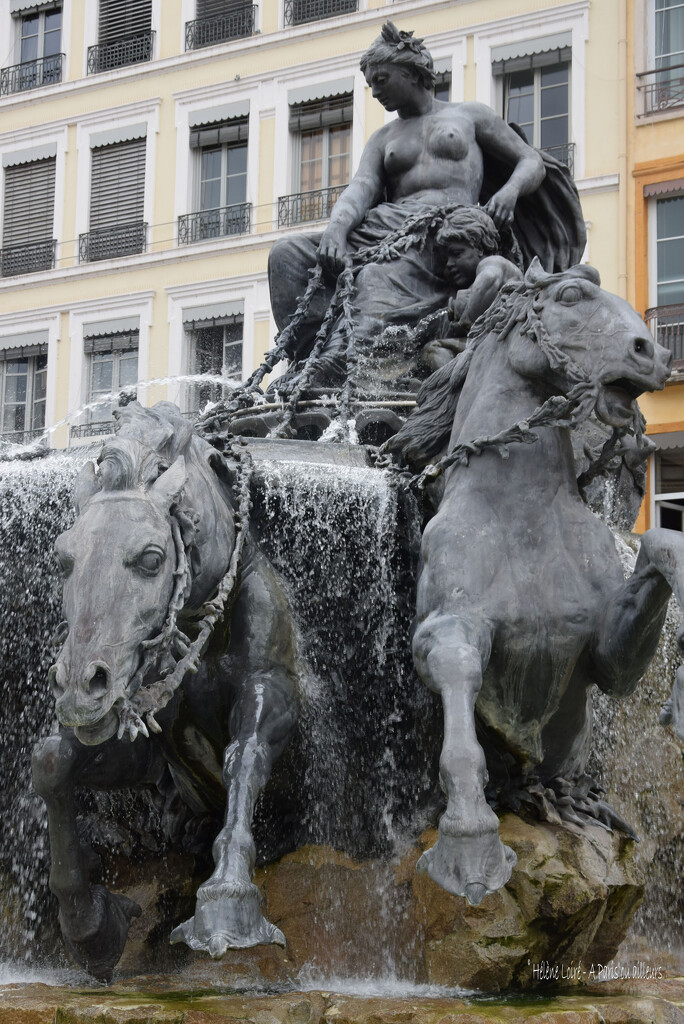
97 680
57 680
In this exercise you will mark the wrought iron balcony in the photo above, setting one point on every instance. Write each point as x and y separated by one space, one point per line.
108 243
666 324
224 220
565 154
10 437
133 49
661 89
95 429
28 258
31 74
208 31
298 12
305 206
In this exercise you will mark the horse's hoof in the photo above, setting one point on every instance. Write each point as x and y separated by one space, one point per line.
470 866
100 952
227 922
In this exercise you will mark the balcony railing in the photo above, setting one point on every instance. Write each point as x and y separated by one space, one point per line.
224 220
108 243
298 12
666 324
10 437
565 154
31 74
661 89
92 429
28 258
305 206
133 49
208 31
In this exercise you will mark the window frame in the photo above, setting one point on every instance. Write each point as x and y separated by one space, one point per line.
325 157
30 400
537 98
95 415
192 400
18 19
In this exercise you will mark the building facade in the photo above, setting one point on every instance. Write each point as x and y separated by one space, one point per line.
151 152
656 118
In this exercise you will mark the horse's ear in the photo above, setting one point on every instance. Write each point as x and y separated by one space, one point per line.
535 272
87 485
167 489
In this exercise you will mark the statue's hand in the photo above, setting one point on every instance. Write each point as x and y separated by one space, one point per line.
501 207
333 248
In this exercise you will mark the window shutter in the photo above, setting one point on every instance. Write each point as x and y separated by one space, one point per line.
233 130
119 18
117 191
111 343
207 9
321 113
29 202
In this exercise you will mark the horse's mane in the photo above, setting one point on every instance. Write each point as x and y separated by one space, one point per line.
147 442
427 430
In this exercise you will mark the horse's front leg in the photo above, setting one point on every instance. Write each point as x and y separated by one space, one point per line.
632 623
228 907
468 858
94 921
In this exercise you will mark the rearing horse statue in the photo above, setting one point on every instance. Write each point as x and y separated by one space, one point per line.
522 606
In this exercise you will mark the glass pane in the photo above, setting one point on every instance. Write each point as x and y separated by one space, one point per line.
670 293
670 472
53 20
236 175
236 158
312 161
338 161
443 92
101 374
670 217
554 101
519 82
13 417
671 260
521 110
669 33
16 379
554 132
210 179
51 43
556 74
232 359
29 37
128 368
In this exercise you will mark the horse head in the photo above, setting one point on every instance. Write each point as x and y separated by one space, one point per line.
130 563
576 335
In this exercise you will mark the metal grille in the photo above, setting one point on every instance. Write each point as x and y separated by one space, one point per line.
298 12
565 154
226 220
305 206
31 74
666 324
92 429
133 49
10 437
28 258
230 25
108 243
661 89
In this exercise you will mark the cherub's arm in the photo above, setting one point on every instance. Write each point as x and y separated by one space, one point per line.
470 303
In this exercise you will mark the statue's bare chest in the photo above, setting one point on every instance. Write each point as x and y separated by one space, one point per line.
434 137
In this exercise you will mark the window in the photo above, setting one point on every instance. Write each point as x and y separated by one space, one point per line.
535 87
298 12
215 351
669 44
219 20
39 40
117 197
221 169
124 35
443 86
112 367
669 489
27 242
322 133
23 380
666 318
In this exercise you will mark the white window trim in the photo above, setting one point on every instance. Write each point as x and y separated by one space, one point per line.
12 32
26 323
251 290
187 166
39 136
573 17
116 117
90 36
94 311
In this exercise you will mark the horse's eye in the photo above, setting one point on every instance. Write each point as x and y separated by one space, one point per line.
150 561
571 294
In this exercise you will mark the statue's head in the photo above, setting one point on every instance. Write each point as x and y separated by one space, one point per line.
400 50
466 236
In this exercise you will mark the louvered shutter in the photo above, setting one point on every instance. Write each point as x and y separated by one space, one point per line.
207 9
117 191
119 18
29 202
321 113
234 130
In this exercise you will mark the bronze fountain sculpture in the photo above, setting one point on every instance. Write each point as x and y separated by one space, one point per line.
178 646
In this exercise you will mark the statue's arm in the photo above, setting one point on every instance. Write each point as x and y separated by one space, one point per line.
496 137
363 193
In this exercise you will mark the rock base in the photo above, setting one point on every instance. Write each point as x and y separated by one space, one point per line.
567 907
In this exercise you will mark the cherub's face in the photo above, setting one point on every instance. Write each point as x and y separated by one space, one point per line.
461 264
